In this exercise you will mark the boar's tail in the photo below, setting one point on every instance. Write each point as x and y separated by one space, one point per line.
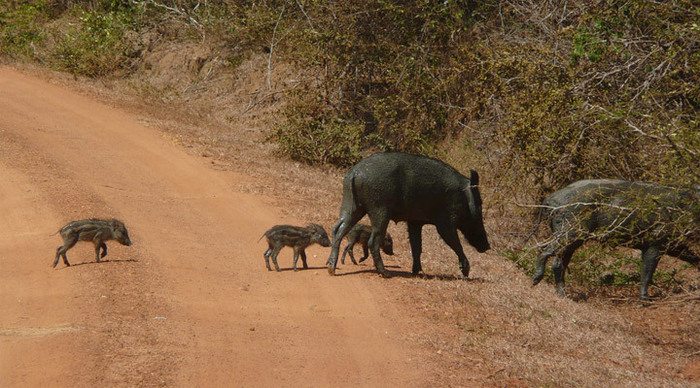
353 190
349 205
263 235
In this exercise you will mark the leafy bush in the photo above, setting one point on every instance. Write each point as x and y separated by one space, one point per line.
21 27
318 138
534 94
95 46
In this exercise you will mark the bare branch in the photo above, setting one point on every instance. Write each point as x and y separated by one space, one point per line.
272 47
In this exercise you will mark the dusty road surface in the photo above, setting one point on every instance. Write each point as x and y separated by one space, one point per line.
190 303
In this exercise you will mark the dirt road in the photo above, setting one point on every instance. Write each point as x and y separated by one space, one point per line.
190 303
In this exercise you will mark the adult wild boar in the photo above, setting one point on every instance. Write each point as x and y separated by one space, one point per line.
416 189
653 218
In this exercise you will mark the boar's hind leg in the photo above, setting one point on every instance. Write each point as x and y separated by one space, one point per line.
449 234
58 255
379 224
365 252
561 263
267 254
274 254
650 259
416 240
352 240
341 228
61 251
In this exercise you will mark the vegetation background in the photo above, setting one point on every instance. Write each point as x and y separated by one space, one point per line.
534 94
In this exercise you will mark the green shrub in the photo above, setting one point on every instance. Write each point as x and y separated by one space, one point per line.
95 46
21 27
318 138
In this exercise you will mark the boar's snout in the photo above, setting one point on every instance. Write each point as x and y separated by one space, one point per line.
483 248
123 238
480 243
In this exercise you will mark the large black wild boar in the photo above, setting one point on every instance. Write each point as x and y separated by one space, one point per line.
653 218
416 189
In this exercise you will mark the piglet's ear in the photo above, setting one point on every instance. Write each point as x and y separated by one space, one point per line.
474 178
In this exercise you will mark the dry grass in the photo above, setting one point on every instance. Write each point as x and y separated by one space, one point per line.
494 329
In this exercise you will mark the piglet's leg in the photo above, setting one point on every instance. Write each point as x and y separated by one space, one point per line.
303 259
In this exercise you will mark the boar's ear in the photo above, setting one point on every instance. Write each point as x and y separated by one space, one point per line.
473 195
474 178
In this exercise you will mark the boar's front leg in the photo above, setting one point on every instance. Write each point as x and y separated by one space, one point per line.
416 240
98 248
104 250
296 258
650 259
380 221
448 233
302 252
561 263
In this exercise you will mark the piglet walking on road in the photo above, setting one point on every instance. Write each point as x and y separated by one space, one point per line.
96 230
296 237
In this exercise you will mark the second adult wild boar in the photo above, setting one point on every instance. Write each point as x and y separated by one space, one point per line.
653 218
416 189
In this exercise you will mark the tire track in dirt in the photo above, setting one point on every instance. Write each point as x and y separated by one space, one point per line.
196 307
25 331
103 308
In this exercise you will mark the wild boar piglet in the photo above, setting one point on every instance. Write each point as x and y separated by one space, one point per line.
361 233
93 229
299 238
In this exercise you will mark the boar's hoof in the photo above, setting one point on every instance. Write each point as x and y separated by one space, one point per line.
331 271
384 273
537 279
